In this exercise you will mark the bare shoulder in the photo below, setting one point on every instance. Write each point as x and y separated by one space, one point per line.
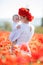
31 27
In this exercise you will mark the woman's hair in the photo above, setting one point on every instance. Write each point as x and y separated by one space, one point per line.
27 9
25 12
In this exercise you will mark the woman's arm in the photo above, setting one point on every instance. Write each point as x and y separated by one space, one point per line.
31 32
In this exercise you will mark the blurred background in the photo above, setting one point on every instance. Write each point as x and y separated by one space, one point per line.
10 7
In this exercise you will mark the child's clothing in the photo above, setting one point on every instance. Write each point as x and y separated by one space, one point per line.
14 26
13 29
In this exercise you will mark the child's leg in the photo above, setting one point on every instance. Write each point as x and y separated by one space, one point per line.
28 48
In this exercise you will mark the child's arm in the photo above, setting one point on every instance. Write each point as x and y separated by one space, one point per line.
15 35
11 36
16 27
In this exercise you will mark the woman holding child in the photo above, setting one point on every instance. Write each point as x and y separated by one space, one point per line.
24 33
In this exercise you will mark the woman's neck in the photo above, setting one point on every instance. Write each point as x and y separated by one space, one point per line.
26 22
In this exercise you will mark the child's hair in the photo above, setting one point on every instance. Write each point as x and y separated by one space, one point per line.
15 15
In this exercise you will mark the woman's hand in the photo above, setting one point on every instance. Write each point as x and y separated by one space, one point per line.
18 27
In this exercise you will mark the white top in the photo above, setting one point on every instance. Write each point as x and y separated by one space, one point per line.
24 34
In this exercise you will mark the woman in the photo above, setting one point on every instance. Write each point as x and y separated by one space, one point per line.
24 34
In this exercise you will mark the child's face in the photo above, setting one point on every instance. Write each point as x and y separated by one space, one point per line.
16 18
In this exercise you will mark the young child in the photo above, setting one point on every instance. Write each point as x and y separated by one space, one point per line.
15 26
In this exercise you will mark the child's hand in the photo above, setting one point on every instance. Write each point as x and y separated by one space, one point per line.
18 27
14 42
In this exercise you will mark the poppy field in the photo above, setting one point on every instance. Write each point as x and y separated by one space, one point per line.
18 55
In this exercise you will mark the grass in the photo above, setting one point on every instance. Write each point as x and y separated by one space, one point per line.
39 29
